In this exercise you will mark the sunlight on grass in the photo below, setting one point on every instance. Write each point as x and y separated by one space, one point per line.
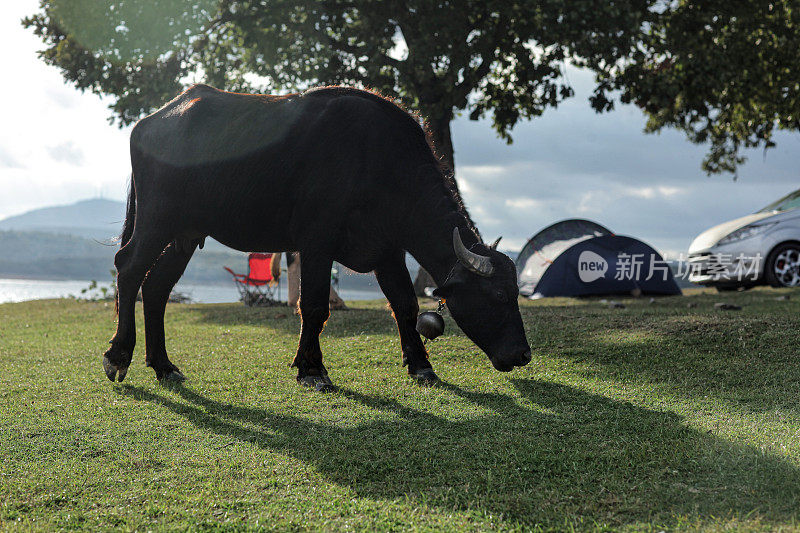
627 337
656 416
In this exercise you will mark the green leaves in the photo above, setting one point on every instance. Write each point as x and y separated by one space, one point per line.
725 73
497 58
132 49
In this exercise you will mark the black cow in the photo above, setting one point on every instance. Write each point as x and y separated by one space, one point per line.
347 176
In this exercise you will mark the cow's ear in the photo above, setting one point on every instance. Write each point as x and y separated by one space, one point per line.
458 277
446 290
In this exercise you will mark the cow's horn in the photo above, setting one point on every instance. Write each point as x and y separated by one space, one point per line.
495 243
478 264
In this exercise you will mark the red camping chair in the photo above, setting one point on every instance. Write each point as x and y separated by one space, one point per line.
257 287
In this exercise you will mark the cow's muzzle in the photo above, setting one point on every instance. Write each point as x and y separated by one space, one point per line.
507 364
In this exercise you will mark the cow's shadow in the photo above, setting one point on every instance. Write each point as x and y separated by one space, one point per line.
552 452
346 323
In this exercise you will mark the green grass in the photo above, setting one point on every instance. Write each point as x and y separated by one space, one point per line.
656 416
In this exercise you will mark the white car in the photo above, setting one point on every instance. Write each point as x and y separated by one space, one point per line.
762 248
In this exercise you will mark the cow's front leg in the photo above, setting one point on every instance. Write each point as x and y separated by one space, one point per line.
315 280
398 288
155 294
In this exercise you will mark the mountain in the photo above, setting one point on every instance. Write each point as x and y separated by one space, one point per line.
78 241
98 219
47 255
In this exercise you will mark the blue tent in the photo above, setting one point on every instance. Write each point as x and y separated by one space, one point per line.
580 258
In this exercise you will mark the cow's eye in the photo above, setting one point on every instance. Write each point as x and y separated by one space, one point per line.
501 295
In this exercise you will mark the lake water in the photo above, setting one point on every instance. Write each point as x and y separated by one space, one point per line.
19 290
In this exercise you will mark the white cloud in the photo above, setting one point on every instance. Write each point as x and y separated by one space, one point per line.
66 152
7 160
483 170
480 212
650 193
523 203
589 203
63 147
670 191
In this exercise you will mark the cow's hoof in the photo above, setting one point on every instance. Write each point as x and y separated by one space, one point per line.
317 383
425 377
172 376
114 371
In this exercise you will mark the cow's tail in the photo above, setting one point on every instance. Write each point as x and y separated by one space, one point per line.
127 233
130 216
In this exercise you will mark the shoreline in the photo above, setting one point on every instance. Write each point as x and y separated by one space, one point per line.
20 289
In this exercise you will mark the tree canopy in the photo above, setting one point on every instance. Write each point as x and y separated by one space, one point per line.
502 59
724 72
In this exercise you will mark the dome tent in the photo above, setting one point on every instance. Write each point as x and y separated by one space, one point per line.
578 257
544 247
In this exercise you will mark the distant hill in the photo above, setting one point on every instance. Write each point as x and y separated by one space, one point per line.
98 218
46 255
78 241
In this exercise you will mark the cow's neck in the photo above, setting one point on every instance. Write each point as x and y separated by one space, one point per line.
433 246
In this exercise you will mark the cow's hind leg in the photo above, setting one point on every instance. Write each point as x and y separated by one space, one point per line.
155 294
315 283
132 262
395 282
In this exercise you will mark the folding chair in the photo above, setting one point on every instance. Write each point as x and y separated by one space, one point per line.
257 288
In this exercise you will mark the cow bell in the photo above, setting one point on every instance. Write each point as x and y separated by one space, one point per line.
430 324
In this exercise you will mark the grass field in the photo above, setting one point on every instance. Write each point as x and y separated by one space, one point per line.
656 416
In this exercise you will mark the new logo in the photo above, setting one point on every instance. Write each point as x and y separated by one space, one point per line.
591 266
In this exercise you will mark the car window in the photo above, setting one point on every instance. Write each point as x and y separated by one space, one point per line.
792 201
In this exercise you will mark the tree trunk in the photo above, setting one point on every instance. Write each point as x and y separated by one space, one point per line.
442 140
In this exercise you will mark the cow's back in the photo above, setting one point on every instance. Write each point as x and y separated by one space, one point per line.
205 126
258 172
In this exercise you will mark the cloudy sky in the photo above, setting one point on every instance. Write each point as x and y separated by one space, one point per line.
56 147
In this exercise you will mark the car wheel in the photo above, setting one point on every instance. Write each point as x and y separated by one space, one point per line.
783 266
